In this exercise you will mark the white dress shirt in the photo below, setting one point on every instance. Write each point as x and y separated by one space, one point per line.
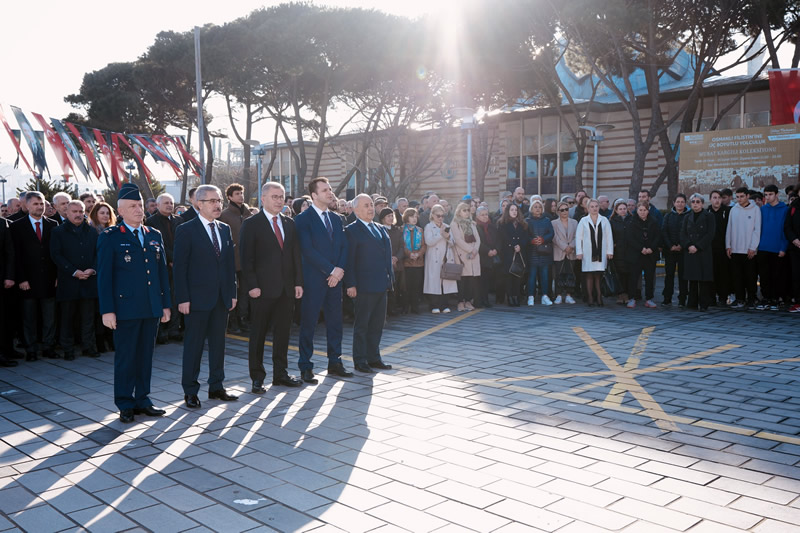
280 223
206 222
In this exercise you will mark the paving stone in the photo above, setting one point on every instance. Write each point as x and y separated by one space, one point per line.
654 513
125 499
468 517
715 513
408 518
41 518
181 498
161 518
589 514
102 519
220 518
281 518
17 499
347 518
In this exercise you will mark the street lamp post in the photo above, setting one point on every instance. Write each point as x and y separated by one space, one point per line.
130 166
467 116
597 137
3 180
258 151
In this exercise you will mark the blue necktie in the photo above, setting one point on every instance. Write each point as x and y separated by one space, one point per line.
328 225
375 232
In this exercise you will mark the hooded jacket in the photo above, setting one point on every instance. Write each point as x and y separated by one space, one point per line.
744 228
772 219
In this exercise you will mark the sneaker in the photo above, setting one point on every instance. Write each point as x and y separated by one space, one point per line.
468 306
530 301
773 305
795 308
446 310
738 305
460 306
631 304
731 299
762 305
435 311
546 300
650 303
558 300
570 299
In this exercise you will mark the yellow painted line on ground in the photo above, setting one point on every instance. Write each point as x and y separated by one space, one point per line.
780 438
422 334
617 392
651 407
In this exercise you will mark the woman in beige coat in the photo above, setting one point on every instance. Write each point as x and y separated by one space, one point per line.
467 244
564 257
438 241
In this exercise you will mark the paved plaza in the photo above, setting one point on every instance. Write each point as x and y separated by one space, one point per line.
568 419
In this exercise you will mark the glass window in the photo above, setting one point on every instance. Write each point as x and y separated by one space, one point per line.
754 120
729 122
513 169
549 164
569 161
756 102
531 166
512 138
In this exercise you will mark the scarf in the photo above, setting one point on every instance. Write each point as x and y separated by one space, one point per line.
412 237
597 240
465 224
485 227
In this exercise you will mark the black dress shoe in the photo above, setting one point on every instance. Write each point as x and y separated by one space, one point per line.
192 401
7 363
149 411
339 370
258 387
308 377
381 365
221 394
287 381
126 416
31 356
363 368
50 354
69 357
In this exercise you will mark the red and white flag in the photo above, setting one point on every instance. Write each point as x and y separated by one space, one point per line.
57 145
784 96
14 140
105 149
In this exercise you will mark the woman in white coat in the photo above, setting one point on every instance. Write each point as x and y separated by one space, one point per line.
437 238
594 246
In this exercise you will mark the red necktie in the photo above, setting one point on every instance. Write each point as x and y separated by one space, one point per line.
277 231
39 231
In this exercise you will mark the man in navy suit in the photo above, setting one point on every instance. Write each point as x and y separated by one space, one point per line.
133 286
204 271
367 277
323 247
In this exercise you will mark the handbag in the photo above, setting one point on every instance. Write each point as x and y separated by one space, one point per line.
566 276
610 283
544 249
517 268
451 271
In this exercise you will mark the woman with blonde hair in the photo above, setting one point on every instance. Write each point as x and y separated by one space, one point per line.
438 241
594 246
467 245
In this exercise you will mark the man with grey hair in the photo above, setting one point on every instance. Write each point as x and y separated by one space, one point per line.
604 202
13 206
164 221
425 216
22 212
402 205
60 201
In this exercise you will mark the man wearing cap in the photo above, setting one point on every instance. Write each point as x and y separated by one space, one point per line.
133 285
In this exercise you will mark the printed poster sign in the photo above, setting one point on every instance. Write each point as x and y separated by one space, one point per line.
750 157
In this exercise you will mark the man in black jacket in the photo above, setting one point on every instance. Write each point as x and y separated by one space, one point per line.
190 213
60 201
673 254
7 353
36 275
73 248
165 222
722 263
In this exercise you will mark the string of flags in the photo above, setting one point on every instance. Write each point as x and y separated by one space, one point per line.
96 150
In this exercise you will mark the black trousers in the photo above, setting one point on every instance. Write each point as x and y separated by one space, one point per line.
201 326
165 329
646 264
513 286
242 309
32 309
794 258
773 271
722 274
743 273
412 294
467 286
370 310
396 297
84 310
275 314
671 261
700 294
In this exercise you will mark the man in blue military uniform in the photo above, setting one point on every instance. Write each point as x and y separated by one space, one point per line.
133 286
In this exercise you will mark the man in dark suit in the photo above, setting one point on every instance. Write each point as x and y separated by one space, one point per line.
367 277
205 287
133 286
323 247
272 277
60 201
36 276
190 213
22 212
7 353
165 222
73 247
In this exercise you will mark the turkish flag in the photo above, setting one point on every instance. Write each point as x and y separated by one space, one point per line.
784 96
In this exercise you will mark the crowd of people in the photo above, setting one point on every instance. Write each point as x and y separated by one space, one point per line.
89 277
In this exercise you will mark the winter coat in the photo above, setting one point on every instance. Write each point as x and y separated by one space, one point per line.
435 255
583 243
698 232
511 236
641 234
233 216
490 240
398 247
772 237
744 228
671 229
563 237
618 226
720 227
791 226
540 227
472 267
419 261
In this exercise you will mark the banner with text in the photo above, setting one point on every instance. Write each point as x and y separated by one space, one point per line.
751 157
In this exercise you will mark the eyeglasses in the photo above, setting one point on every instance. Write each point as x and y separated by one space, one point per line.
696 202
438 216
571 202
213 201
563 209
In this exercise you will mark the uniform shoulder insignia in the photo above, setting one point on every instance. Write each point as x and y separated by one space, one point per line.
111 229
